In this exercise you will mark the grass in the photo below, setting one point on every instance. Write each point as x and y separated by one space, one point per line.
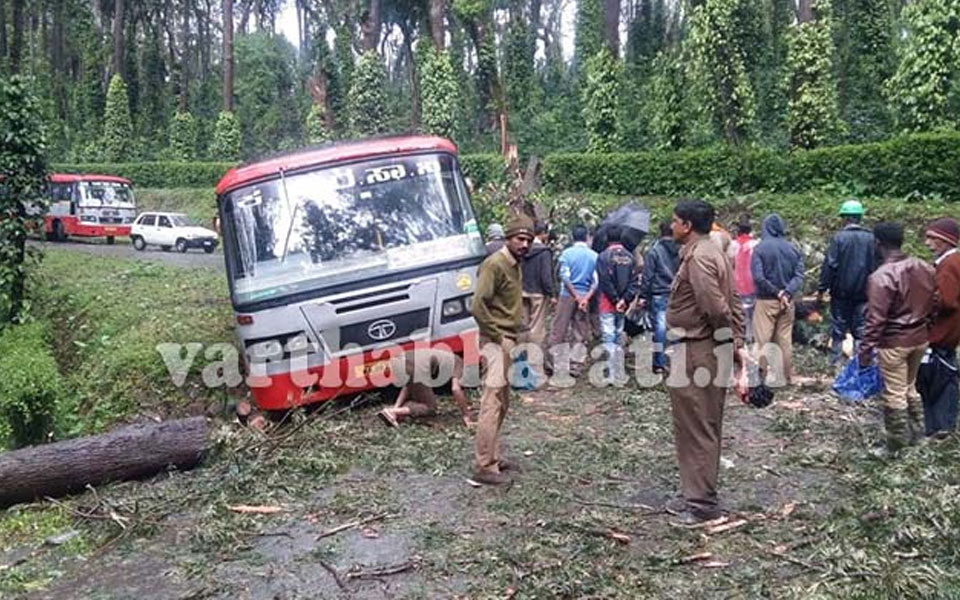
825 519
108 315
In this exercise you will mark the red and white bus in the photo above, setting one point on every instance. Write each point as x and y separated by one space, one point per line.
338 254
89 206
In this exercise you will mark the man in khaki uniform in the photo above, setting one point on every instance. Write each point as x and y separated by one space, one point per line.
900 303
705 312
497 308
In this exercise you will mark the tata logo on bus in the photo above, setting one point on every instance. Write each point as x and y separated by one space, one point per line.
382 329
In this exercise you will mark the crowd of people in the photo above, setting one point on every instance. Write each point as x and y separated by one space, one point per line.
703 292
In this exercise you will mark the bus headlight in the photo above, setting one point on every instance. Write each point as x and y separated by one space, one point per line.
267 349
452 307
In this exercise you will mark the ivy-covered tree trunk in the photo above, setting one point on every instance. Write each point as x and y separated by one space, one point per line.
16 43
813 115
611 26
922 87
3 31
227 65
370 26
24 167
600 102
438 30
184 102
118 24
589 31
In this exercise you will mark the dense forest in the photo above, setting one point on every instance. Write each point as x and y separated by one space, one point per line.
124 80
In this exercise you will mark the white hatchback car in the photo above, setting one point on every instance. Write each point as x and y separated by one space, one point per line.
171 230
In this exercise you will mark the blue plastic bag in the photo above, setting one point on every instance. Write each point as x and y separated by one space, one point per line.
856 383
523 377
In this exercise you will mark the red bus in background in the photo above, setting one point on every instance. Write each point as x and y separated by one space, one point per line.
88 206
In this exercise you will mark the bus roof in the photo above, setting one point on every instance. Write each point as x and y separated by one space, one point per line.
333 153
74 177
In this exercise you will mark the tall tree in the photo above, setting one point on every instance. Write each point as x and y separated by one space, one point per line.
925 81
588 36
813 116
227 55
16 43
611 26
370 26
185 39
3 31
438 29
118 47
23 164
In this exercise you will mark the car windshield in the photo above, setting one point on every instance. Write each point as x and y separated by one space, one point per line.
180 220
105 193
344 223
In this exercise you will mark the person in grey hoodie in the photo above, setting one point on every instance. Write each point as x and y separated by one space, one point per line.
777 269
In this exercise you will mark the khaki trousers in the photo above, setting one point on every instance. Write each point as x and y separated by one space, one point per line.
495 361
899 367
535 328
697 426
772 323
568 315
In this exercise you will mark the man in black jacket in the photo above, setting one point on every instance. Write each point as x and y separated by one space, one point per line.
849 261
617 276
659 269
539 291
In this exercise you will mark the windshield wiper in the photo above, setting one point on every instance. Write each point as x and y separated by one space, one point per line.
293 215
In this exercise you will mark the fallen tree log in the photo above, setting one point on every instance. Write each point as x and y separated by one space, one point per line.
127 453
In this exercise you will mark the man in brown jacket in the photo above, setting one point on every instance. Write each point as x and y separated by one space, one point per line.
937 379
705 312
497 308
900 301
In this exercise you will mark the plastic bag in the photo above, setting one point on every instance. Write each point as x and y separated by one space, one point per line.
856 383
522 376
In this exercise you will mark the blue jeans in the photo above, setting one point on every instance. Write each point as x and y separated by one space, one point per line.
845 315
658 319
611 329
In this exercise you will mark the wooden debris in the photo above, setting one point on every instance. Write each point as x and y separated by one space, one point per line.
255 510
351 525
714 564
728 526
618 536
333 573
787 509
382 572
695 558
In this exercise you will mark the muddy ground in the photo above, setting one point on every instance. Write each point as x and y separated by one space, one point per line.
582 520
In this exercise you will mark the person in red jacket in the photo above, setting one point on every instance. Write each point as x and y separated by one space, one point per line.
937 380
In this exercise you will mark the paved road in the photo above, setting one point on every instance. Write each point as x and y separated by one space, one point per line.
193 259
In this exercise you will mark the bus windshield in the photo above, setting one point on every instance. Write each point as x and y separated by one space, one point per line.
106 193
343 223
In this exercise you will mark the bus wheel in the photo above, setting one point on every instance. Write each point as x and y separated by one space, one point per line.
139 244
110 240
58 232
181 245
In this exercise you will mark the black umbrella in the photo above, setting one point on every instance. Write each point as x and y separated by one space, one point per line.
634 222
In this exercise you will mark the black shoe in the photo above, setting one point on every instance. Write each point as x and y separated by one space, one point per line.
491 478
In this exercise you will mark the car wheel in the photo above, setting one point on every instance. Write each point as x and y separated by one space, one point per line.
59 234
138 243
181 245
209 249
111 240
165 248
